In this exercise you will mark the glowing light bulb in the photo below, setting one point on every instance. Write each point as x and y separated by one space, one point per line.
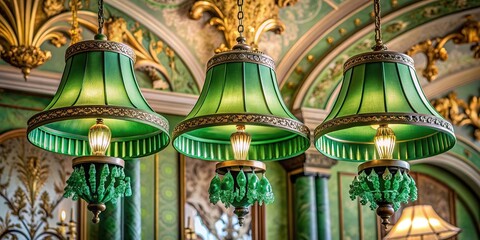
385 141
240 141
63 216
99 137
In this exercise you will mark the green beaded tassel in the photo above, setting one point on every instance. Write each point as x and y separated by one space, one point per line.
101 187
244 189
388 188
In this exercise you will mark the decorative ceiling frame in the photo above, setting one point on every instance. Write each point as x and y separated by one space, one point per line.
259 17
458 165
311 75
434 49
318 31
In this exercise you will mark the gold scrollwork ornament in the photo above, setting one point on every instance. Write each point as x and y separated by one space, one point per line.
459 112
259 16
434 50
22 37
25 57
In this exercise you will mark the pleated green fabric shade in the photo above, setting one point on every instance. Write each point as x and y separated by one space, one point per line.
240 88
99 82
382 88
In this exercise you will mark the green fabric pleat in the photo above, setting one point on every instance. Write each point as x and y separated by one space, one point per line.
377 92
236 92
99 83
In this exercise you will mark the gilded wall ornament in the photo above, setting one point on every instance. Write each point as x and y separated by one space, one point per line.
434 49
459 112
20 40
259 17
31 188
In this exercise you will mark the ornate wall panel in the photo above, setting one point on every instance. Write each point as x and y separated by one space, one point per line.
31 188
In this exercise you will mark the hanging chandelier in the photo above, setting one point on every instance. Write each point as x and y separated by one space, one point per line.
381 117
240 121
99 115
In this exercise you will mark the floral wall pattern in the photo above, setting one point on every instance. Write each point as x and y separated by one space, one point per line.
31 189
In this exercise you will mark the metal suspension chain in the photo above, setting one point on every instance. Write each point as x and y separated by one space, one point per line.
240 18
100 17
378 27
74 31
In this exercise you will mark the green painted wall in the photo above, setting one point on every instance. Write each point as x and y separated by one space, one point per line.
276 216
16 108
160 208
470 231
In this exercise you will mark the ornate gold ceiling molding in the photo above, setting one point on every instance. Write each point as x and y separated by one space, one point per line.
259 16
147 60
319 31
25 25
434 49
459 112
20 40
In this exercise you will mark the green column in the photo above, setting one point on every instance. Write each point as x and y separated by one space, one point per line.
305 222
110 226
131 208
323 208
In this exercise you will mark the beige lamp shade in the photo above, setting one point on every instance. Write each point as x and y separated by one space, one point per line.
423 223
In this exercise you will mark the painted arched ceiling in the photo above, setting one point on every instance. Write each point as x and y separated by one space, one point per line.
319 36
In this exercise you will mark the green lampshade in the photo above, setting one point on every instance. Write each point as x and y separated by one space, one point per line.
240 88
99 82
381 87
